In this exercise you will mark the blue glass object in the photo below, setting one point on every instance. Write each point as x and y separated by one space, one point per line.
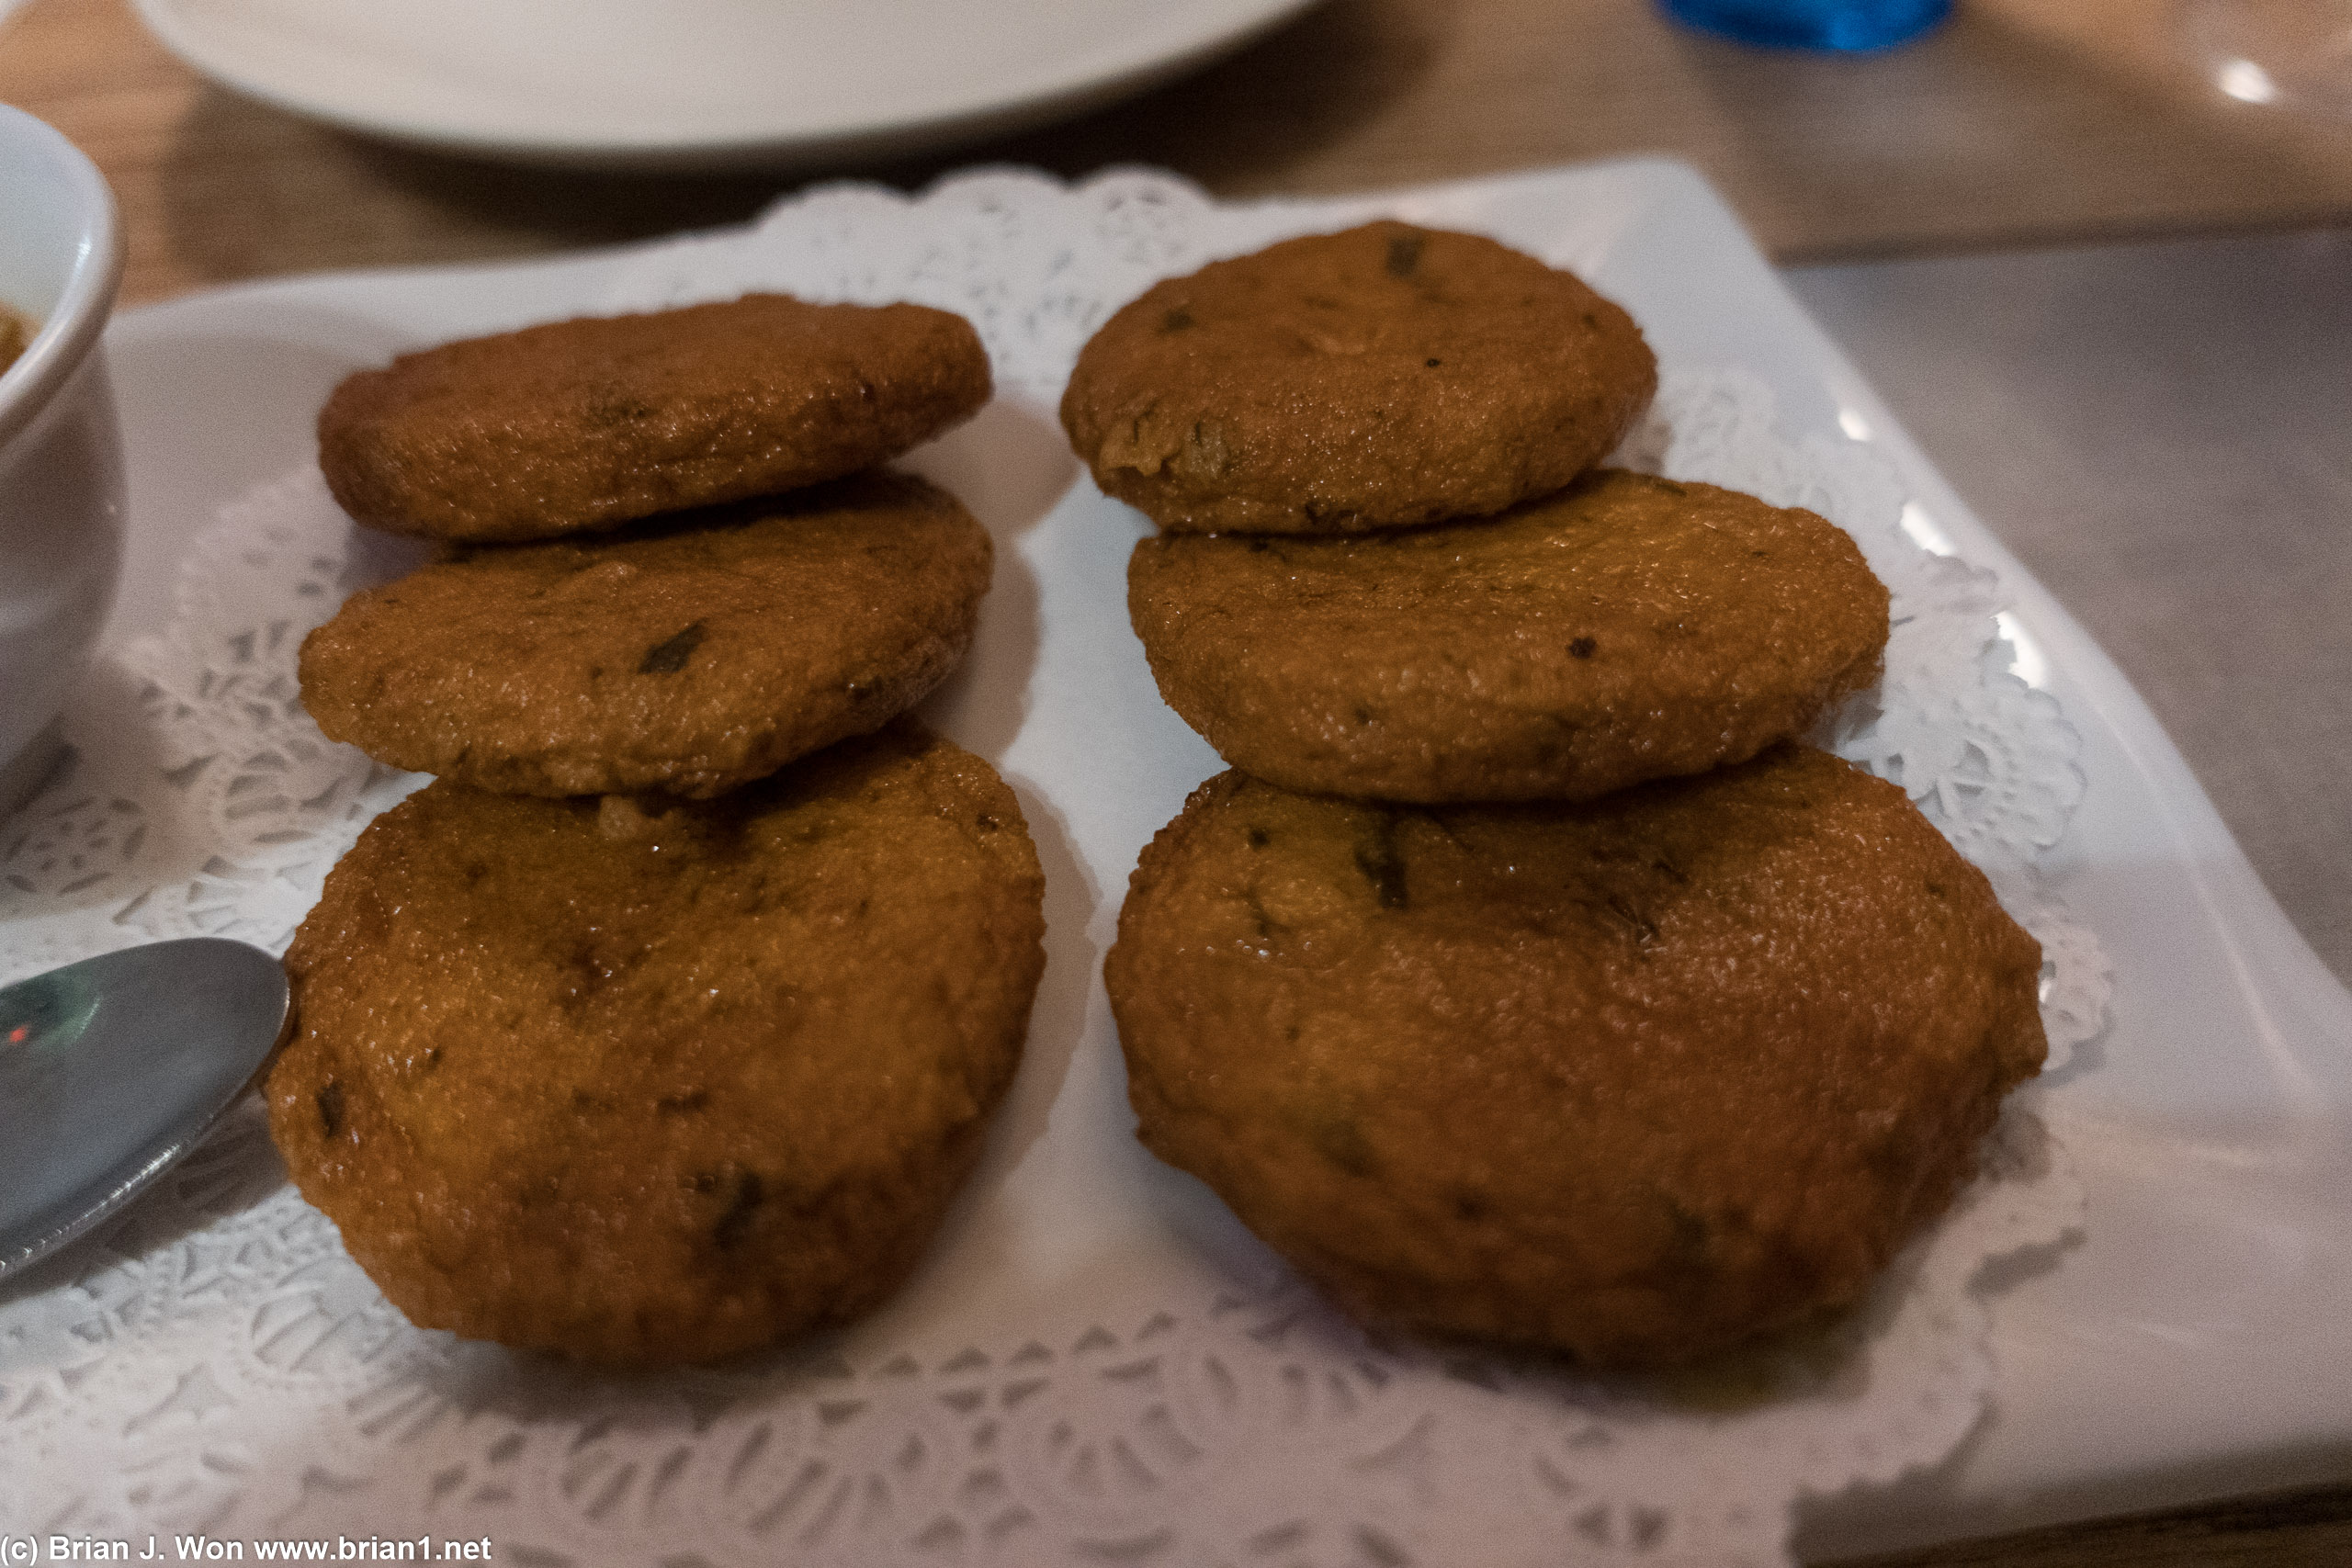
1844 24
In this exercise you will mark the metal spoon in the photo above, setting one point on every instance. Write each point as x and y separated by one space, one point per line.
112 1068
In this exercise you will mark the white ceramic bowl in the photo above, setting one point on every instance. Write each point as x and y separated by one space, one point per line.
61 450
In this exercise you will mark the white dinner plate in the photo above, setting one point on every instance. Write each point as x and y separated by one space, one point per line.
695 82
2196 1340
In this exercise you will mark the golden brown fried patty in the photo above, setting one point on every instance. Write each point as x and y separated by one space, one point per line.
655 1089
588 423
1374 379
687 658
1627 628
1635 1079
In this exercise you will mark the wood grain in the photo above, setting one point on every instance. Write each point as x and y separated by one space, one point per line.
2023 121
2306 1528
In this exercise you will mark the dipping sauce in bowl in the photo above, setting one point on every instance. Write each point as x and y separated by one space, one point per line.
15 333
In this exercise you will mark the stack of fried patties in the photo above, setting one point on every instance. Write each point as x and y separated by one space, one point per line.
666 1021
1525 979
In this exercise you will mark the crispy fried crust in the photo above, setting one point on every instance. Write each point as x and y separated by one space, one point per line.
1627 628
588 423
1635 1079
688 659
642 1089
1380 377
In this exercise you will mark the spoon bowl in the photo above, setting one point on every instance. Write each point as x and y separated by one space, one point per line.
112 1068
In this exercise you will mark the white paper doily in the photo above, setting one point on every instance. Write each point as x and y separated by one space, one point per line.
213 1362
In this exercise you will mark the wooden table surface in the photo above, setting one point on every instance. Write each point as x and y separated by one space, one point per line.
2022 123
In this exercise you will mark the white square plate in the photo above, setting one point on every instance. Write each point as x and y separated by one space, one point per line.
2198 1339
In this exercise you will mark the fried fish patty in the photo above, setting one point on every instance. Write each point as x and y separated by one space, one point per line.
1374 379
688 656
1635 1079
1627 628
588 423
646 1088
